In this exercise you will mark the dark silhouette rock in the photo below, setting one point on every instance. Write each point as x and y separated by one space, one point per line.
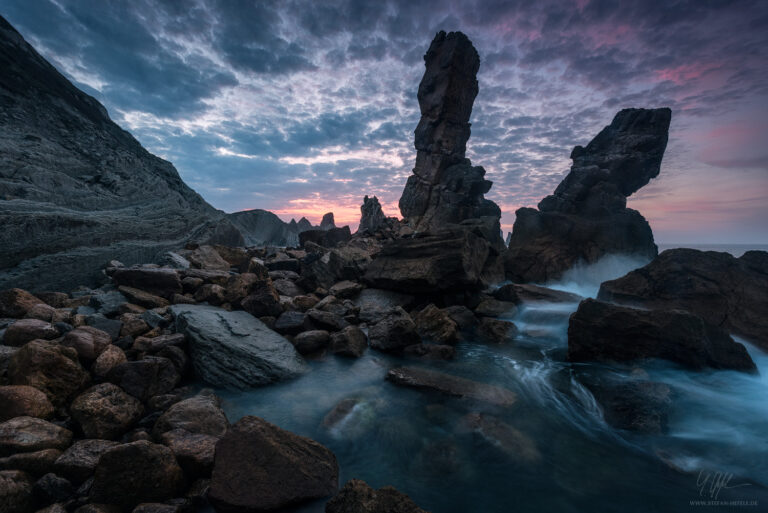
357 497
604 332
327 222
586 218
234 349
451 385
260 467
327 237
76 189
444 187
372 218
726 291
263 228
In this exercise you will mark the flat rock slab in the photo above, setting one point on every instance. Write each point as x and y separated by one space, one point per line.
234 349
451 385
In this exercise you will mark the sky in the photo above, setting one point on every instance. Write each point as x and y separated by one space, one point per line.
304 107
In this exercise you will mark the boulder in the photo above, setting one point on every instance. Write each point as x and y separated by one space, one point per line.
634 405
194 451
372 218
450 260
107 302
41 312
329 238
287 288
327 320
156 344
157 281
233 349
52 488
145 378
89 342
393 332
29 434
263 302
431 351
444 187
435 325
327 222
600 331
49 367
351 341
448 384
136 472
496 331
260 467
494 308
205 257
586 218
501 435
112 327
726 291
79 461
357 497
34 463
16 492
311 341
23 401
108 360
143 298
464 318
211 294
291 323
26 330
346 289
201 414
16 303
105 412
519 293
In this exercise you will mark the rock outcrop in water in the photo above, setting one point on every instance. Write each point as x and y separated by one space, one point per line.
444 187
727 291
586 218
76 190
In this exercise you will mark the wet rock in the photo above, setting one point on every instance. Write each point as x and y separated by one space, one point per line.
6 352
49 367
193 451
636 405
29 434
451 385
311 341
211 294
586 218
145 378
240 286
394 331
199 414
600 331
79 461
160 282
357 497
435 325
287 288
496 308
464 318
110 326
499 434
143 298
133 325
105 411
233 349
518 293
291 323
16 303
156 344
327 320
26 330
98 508
23 401
52 488
89 342
107 302
110 358
260 467
263 302
34 463
351 341
496 330
16 492
41 312
137 472
156 507
444 187
726 291
431 351
346 289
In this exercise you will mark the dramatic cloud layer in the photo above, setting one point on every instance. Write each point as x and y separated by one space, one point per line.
305 107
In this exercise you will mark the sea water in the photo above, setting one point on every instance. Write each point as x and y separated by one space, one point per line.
554 452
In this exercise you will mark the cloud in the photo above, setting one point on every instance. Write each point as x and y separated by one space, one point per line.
311 105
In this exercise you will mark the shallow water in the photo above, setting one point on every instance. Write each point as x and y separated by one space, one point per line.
553 452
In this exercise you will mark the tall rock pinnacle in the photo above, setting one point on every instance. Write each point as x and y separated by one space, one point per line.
587 216
445 187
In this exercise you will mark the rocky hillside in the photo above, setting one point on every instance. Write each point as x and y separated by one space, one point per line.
76 190
263 228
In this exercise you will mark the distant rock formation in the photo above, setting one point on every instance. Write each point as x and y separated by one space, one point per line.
444 187
372 218
75 189
586 218
327 222
263 228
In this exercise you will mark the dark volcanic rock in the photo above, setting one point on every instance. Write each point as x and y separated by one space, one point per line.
76 189
137 472
260 467
586 218
234 349
357 497
726 291
448 260
605 332
451 385
445 187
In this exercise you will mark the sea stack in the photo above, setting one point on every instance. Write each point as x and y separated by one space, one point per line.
587 218
444 187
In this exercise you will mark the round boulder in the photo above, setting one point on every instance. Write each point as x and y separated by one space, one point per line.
49 367
105 411
23 401
25 330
